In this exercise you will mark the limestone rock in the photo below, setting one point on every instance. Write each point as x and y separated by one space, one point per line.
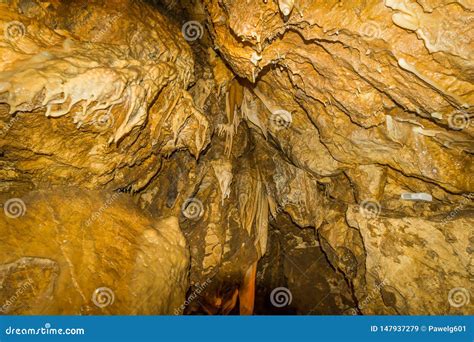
75 252
91 95
423 265
327 140
370 102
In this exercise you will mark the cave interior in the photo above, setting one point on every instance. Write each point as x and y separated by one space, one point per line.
236 157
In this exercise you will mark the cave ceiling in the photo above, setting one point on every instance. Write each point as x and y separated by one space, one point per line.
236 157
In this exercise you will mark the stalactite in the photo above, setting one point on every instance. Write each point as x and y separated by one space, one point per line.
234 98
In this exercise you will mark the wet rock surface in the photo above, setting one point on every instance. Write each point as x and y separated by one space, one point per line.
315 155
73 252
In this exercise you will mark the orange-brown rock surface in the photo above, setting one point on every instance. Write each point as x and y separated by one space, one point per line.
73 252
372 102
99 89
316 154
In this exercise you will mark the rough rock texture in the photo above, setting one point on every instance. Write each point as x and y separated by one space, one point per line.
367 102
296 261
76 252
319 148
417 260
99 89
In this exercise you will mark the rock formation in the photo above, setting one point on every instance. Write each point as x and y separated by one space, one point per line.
315 155
76 252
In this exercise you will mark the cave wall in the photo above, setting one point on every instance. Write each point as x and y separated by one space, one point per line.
71 252
371 101
319 147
